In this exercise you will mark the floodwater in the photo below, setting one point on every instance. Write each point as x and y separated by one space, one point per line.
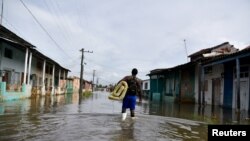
94 118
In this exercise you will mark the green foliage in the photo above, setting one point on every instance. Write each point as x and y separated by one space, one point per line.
87 93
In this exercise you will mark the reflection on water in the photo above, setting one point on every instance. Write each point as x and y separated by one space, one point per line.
127 130
98 118
208 113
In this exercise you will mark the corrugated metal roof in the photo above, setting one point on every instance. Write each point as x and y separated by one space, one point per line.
204 60
207 50
39 54
226 56
9 36
159 71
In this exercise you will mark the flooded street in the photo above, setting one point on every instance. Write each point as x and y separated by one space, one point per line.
64 118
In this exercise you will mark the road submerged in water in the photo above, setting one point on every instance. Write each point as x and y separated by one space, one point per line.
96 118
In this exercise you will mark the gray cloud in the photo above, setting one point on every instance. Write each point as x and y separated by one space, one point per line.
146 34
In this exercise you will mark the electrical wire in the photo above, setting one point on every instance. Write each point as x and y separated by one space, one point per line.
57 45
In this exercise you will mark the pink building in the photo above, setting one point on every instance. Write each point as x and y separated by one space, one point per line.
73 84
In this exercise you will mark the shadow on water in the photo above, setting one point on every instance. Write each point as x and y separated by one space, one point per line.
98 118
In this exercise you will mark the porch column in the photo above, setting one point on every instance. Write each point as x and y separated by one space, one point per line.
199 84
30 59
43 79
25 65
59 83
64 74
1 50
53 80
203 85
179 96
238 83
157 84
174 92
64 78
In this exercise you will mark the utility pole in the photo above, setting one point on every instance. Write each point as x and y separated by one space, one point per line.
186 49
82 69
93 81
97 81
1 14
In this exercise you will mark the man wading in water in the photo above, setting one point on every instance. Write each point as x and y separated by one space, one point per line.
134 89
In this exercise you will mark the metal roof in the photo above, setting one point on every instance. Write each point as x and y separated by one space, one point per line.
14 39
207 50
9 36
208 61
159 71
227 57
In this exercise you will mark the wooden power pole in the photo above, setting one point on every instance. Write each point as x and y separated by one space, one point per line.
82 69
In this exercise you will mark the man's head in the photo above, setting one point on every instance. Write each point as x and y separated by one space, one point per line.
134 71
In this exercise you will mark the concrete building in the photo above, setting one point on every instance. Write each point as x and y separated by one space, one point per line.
24 71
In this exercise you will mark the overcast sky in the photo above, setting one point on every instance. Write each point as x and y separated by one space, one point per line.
123 34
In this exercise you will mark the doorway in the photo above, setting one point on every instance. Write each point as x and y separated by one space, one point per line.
216 91
244 97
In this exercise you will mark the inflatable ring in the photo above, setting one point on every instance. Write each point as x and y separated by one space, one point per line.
119 91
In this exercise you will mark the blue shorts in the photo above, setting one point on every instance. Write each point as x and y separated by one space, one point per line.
129 101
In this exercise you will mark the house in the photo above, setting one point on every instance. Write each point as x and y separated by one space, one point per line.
73 85
227 81
24 71
13 60
176 83
204 76
47 76
216 76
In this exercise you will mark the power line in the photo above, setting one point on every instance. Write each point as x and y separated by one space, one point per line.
61 17
1 13
7 22
56 21
43 28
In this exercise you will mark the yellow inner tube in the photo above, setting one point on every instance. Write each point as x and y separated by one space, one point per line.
119 91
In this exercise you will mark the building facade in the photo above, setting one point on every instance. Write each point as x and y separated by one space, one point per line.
215 76
24 71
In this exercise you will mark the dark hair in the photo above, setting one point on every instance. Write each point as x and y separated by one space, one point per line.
134 71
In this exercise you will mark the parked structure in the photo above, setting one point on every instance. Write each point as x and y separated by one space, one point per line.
216 76
24 71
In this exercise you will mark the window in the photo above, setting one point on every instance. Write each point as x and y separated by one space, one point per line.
50 70
47 69
244 72
208 70
146 86
8 53
153 77
39 65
